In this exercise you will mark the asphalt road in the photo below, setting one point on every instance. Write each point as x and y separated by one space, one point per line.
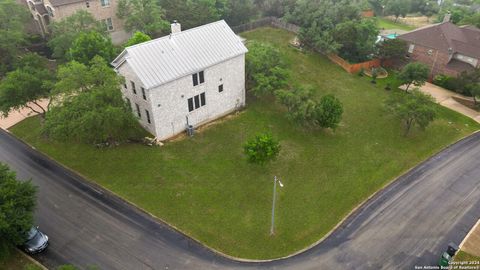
409 223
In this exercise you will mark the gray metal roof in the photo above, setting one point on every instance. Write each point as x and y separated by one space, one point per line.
165 59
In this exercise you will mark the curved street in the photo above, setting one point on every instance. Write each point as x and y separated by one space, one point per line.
409 223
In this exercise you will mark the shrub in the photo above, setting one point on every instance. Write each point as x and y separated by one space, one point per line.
262 148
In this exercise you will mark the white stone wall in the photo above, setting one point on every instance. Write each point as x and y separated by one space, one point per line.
169 102
129 76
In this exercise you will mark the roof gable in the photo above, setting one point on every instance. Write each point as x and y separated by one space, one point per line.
162 60
447 37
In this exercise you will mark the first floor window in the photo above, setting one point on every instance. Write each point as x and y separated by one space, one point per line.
196 102
133 87
109 24
105 3
202 99
129 103
147 113
190 105
138 111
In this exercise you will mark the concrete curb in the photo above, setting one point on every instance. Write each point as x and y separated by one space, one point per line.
33 260
95 187
469 233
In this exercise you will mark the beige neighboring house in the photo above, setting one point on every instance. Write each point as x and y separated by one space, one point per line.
46 11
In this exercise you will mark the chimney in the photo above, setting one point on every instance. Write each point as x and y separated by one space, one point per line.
176 27
447 17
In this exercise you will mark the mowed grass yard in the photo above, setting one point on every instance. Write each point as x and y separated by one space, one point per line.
388 24
206 188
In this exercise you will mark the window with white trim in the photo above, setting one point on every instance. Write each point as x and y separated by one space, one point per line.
105 3
410 48
109 24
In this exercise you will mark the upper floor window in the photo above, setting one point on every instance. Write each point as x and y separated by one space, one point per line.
108 22
133 87
105 3
198 78
220 88
143 94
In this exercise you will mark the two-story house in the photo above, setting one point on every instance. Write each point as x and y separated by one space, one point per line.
445 47
186 78
46 11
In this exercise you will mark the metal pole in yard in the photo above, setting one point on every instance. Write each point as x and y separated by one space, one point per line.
272 228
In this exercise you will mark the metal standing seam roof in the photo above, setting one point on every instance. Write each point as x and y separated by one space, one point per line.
165 59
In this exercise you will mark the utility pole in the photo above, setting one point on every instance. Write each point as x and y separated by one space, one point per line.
272 228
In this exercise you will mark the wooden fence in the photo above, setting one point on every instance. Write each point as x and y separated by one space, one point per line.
353 68
278 23
268 21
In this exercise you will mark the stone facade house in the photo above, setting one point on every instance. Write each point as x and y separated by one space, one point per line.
445 47
186 78
46 11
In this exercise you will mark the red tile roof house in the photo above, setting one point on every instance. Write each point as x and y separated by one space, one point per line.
446 48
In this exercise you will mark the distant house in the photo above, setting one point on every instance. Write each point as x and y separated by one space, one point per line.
445 47
46 11
186 78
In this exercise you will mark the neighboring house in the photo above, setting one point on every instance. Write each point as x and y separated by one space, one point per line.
46 11
445 47
186 78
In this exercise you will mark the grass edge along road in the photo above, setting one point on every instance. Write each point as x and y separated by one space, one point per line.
205 187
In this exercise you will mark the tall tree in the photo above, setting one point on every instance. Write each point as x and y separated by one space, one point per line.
91 109
137 38
397 8
239 11
22 88
89 44
318 18
265 68
143 15
13 18
415 73
304 109
473 19
391 49
356 38
193 13
17 202
66 31
412 109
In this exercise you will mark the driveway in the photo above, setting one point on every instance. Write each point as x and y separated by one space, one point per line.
445 98
15 117
409 223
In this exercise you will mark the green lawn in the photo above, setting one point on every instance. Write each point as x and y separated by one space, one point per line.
388 24
205 187
18 261
467 259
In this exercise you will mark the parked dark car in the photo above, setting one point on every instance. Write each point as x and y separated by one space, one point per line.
36 241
